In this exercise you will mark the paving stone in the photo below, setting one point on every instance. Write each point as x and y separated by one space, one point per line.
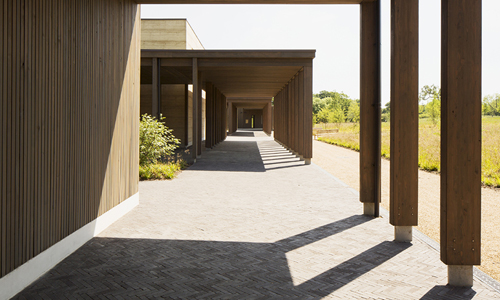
250 221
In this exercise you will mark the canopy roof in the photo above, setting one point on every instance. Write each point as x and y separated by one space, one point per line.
252 1
236 73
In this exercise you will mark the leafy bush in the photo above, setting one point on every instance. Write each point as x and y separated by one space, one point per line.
161 170
155 140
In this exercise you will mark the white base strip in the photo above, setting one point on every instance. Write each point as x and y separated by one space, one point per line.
20 278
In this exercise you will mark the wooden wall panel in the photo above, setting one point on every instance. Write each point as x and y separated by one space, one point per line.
69 112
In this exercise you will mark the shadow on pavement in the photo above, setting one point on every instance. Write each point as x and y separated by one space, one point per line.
449 293
186 269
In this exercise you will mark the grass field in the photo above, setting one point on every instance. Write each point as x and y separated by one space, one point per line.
429 145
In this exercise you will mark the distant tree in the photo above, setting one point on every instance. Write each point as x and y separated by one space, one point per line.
431 96
326 104
429 93
491 105
386 112
433 110
318 105
322 116
336 116
353 112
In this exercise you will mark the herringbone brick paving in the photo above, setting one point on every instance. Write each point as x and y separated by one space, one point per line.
250 221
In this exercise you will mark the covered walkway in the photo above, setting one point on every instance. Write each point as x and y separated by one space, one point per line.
251 221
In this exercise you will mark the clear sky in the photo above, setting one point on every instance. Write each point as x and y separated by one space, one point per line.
333 30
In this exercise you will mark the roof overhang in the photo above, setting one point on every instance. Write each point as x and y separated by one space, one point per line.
251 1
236 73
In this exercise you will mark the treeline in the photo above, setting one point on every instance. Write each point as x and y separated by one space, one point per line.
429 105
334 107
491 105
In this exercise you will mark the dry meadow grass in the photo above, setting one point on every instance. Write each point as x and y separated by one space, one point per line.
429 145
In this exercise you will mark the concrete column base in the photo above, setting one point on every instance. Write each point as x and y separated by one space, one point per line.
369 209
301 158
460 276
403 233
307 161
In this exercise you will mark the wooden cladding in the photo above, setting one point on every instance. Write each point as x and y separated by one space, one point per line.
216 116
461 132
293 114
69 112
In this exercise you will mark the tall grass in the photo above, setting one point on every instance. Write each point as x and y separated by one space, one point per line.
429 145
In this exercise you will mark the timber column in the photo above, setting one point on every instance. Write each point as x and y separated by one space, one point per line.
196 95
404 118
461 138
369 136
307 91
156 88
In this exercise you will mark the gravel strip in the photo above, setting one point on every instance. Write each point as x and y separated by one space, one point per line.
344 164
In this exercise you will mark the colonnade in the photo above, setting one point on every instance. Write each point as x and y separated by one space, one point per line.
293 115
216 111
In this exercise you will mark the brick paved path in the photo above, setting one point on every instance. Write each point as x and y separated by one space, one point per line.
250 221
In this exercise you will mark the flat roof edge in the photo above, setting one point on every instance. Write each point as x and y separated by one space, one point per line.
228 53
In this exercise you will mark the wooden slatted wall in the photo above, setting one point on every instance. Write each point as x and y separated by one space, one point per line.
69 111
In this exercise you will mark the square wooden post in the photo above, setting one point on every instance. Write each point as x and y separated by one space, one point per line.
461 139
196 95
200 116
307 113
156 88
404 118
209 119
186 113
224 117
302 134
234 120
369 136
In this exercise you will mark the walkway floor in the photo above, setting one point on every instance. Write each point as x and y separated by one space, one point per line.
250 221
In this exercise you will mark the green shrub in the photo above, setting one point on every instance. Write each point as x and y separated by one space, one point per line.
155 140
161 170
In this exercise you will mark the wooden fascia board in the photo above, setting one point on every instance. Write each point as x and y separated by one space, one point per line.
226 54
252 1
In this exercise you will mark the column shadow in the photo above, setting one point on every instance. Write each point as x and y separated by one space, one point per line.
193 269
449 293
